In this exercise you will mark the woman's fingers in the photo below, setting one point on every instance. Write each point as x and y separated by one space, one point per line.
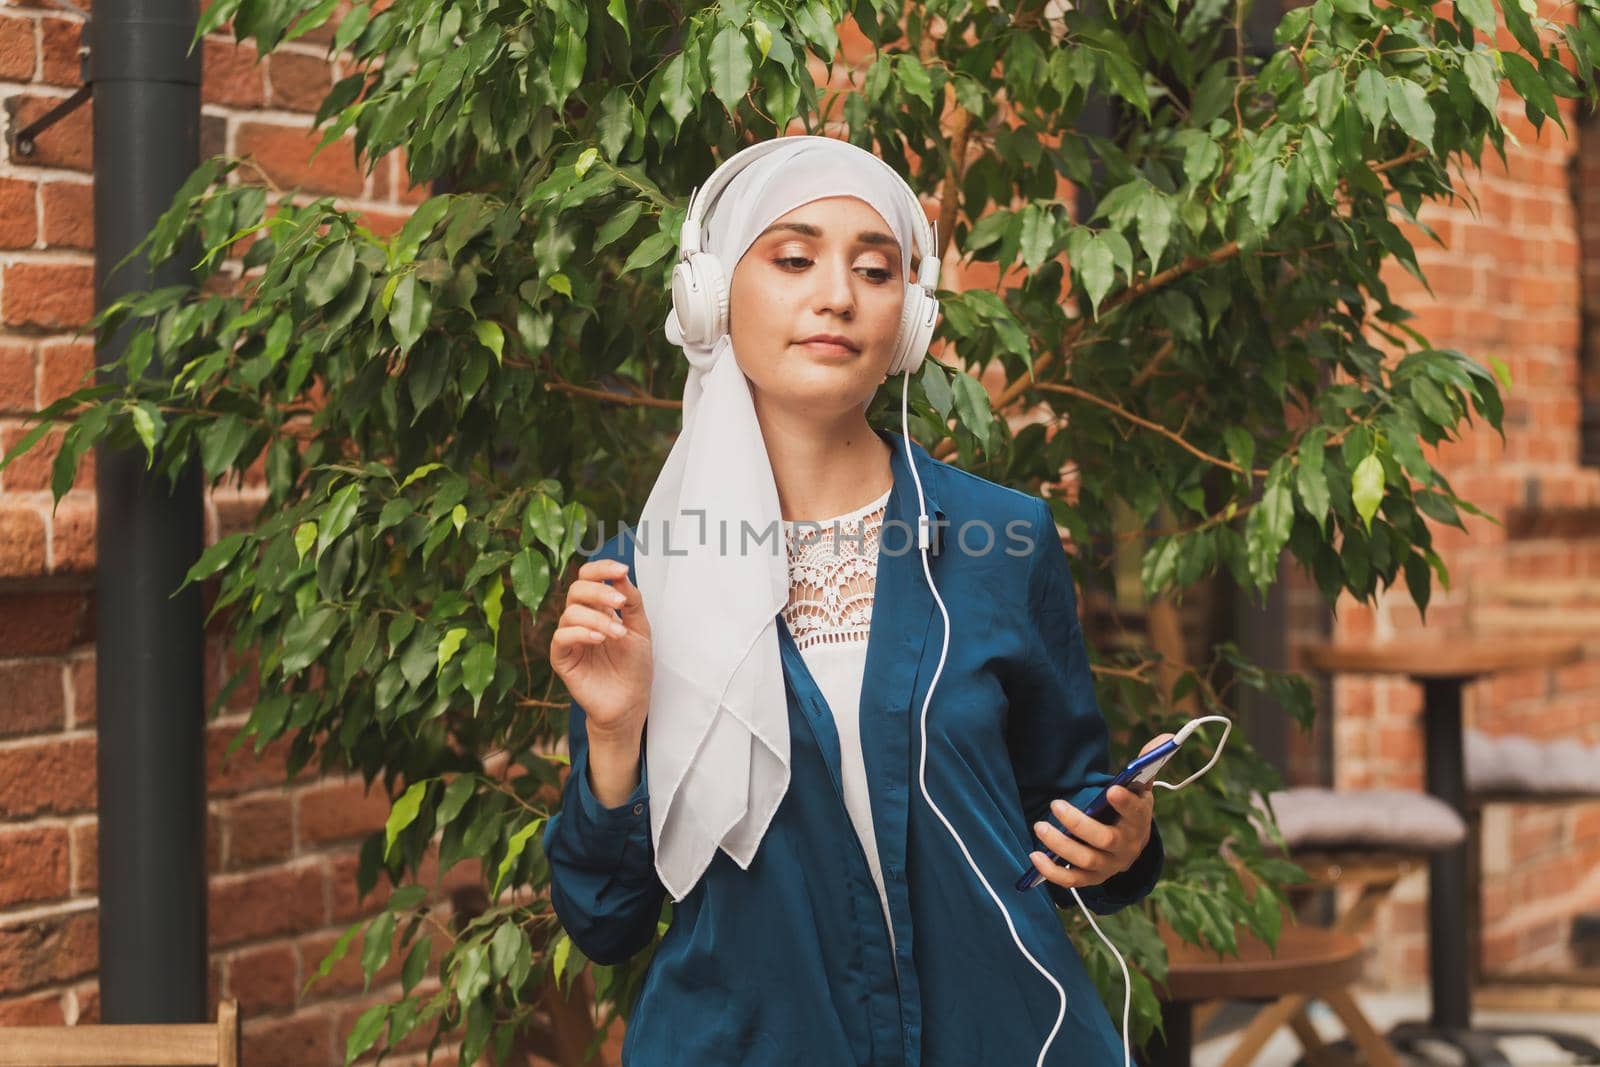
1070 849
584 615
1091 831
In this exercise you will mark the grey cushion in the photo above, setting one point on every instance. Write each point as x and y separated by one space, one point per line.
1512 763
1313 817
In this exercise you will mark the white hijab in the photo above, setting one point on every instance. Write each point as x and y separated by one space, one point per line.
709 550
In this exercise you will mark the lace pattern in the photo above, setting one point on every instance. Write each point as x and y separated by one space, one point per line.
833 570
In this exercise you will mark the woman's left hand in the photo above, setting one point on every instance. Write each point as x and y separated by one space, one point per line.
1099 851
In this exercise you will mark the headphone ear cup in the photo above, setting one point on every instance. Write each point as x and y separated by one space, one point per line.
918 318
700 298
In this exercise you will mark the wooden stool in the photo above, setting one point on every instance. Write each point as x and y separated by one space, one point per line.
126 1045
1309 963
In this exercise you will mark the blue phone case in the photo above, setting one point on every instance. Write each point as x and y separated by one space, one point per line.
1139 773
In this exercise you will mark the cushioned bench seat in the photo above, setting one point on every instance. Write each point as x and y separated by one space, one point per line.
1514 765
1314 818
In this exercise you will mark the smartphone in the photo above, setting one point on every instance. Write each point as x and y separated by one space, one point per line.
1136 776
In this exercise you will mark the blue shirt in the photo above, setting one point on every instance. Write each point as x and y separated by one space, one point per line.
790 962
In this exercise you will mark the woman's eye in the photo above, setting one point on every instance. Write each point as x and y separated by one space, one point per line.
878 275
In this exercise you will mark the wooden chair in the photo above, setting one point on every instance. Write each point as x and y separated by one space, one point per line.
1365 840
126 1045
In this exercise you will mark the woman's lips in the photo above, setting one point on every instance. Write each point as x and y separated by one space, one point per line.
828 348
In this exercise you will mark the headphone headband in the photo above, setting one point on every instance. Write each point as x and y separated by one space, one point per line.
923 238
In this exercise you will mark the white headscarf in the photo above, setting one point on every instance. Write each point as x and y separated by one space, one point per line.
717 731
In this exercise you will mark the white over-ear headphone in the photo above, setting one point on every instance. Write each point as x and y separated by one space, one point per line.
700 280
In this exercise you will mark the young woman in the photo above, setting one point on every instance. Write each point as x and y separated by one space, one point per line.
751 730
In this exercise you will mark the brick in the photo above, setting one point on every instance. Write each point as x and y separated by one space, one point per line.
405 191
232 74
244 769
263 979
258 829
19 226
48 949
299 82
60 38
18 394
340 811
40 1009
33 864
64 368
34 469
72 547
17 53
44 622
84 839
284 154
32 697
22 544
265 903
54 777
81 691
302 1040
69 143
51 295
68 214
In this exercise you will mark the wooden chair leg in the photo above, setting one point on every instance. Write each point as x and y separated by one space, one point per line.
1317 1052
1267 1022
1376 1051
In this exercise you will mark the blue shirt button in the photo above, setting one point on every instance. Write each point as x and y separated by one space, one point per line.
638 809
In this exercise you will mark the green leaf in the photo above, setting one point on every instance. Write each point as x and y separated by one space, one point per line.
1155 225
1521 27
451 642
477 671
1268 193
491 337
416 963
972 406
1367 487
648 251
729 61
404 813
677 97
914 78
216 557
514 847
1480 13
1482 77
305 535
493 607
329 274
336 516
1372 96
530 577
1310 481
409 311
1094 267
377 945
1408 103
367 1028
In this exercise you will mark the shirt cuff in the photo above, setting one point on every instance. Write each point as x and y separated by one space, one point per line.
628 815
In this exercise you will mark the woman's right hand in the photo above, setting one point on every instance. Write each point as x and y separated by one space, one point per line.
601 650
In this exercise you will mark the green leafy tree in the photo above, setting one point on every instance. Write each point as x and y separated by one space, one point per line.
443 415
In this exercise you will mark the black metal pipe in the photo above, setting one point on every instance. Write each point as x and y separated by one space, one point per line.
149 646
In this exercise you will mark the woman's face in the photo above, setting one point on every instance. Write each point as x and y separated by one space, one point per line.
831 266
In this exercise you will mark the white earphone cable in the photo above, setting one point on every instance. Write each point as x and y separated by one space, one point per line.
924 541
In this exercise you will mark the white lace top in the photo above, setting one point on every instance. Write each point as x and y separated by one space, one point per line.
833 570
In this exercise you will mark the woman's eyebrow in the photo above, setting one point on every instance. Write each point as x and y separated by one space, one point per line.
866 237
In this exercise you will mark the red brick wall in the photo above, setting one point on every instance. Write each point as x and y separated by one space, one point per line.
1508 283
281 858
